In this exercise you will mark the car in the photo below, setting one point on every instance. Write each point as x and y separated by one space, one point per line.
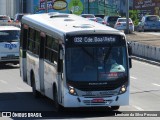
92 19
110 20
100 20
9 44
88 15
5 19
18 17
121 24
149 23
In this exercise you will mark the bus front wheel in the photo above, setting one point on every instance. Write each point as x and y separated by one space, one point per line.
56 104
36 94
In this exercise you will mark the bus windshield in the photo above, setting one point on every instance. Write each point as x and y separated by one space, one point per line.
91 64
9 36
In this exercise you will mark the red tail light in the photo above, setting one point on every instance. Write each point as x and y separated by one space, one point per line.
9 21
104 22
118 23
17 21
130 24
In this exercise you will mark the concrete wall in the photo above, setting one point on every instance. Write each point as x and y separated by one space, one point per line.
146 51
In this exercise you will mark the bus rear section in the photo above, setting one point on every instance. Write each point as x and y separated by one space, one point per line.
9 44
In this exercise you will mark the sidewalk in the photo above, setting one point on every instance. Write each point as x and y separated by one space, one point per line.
145 45
145 38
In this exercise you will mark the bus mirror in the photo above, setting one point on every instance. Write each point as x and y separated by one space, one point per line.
130 62
129 49
61 54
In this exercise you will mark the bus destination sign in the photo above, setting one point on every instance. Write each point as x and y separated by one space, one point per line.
94 39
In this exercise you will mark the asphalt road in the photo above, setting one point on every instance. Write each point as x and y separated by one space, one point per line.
145 95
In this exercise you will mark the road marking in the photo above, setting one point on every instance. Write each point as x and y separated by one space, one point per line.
156 84
133 77
20 88
147 64
4 82
138 108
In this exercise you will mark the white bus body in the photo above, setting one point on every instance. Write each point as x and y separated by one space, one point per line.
9 44
53 44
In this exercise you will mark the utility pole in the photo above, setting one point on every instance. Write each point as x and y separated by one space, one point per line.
127 16
88 7
46 6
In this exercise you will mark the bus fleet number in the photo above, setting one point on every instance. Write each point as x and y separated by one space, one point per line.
78 39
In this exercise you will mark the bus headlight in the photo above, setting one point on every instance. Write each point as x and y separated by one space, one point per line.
72 91
123 89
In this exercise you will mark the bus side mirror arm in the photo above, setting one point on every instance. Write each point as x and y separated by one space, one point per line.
129 54
129 49
130 62
61 54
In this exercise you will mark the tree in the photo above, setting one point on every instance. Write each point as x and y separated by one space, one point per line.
133 14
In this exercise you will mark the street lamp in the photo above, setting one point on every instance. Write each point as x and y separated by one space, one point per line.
88 7
46 7
127 16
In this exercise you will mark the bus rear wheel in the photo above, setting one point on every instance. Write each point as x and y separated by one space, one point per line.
115 107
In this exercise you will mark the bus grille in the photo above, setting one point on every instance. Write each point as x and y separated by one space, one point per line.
10 58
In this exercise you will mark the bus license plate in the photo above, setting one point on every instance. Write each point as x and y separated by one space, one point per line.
98 100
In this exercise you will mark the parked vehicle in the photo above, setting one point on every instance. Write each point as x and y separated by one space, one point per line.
9 44
149 23
111 20
121 24
5 19
18 17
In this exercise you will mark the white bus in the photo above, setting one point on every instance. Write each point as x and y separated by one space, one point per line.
74 61
9 44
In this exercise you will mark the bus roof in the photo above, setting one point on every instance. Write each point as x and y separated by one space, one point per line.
2 28
62 24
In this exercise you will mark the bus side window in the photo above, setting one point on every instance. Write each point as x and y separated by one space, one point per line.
37 42
31 39
51 50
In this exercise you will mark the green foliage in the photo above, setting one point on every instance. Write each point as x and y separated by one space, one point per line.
133 14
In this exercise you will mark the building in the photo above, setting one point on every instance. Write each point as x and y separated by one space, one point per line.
151 7
11 7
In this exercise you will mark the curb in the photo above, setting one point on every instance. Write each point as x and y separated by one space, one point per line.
146 60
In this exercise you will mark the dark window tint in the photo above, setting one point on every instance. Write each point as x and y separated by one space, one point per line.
152 18
113 18
51 49
33 41
19 17
88 16
9 35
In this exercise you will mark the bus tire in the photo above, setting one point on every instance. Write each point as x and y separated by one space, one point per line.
35 93
56 104
115 107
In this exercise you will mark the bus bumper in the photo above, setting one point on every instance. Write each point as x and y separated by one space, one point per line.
77 101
